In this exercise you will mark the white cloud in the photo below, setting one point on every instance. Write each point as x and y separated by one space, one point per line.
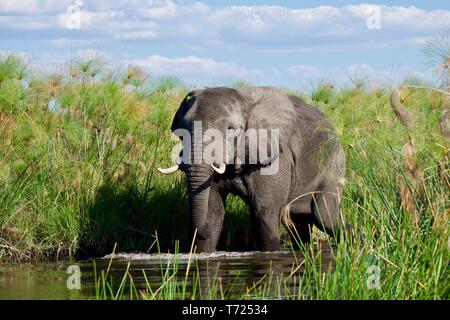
303 70
19 54
341 75
32 7
89 54
160 9
24 23
64 42
192 66
263 26
147 34
414 18
276 72
360 68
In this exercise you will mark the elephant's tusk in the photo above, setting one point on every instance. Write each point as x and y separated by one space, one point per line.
172 169
220 169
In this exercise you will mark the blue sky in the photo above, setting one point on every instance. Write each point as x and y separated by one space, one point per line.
280 43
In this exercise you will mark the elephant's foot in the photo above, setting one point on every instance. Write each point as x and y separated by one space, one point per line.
204 246
269 245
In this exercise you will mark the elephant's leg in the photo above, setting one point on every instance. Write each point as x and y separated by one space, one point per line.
303 223
216 213
326 209
268 194
266 226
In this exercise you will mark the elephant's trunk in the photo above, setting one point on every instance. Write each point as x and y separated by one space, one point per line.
199 180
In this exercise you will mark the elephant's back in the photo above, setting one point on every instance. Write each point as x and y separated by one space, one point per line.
314 145
305 111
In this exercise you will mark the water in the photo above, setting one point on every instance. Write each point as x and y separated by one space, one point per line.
237 270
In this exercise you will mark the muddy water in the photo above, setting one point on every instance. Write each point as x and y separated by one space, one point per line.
237 270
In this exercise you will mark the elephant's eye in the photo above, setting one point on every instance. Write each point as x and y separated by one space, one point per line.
230 127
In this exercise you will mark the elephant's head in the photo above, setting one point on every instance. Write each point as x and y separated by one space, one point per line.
211 124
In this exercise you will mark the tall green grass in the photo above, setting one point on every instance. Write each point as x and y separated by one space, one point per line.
77 175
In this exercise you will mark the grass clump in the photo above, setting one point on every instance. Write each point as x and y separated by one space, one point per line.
323 92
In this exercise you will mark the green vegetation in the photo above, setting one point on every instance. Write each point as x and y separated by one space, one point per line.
77 175
322 92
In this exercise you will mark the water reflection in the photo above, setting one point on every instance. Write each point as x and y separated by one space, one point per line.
236 271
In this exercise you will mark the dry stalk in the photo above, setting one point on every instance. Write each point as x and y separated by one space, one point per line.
402 114
412 188
444 123
405 117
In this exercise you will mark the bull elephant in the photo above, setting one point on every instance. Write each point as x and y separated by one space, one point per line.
307 180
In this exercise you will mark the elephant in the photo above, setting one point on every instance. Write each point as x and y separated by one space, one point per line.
303 191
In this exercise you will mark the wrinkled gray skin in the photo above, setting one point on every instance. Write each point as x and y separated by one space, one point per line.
311 160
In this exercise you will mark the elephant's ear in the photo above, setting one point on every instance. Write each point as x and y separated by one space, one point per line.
179 120
269 108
